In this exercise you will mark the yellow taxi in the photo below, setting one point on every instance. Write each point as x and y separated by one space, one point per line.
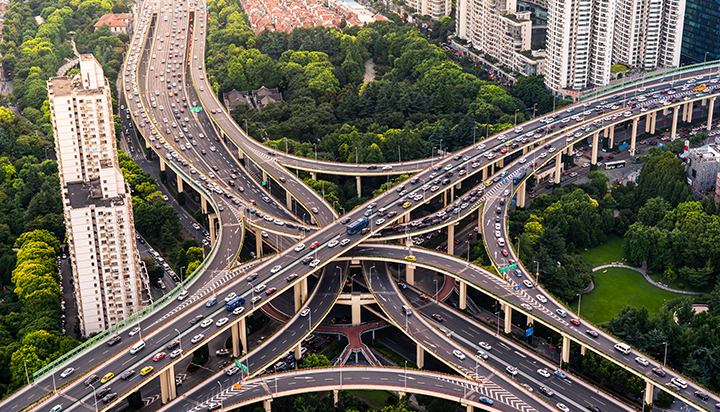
700 88
146 370
489 183
411 258
406 205
107 377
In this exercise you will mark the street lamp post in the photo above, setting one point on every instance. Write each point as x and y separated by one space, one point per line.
26 372
356 155
352 283
579 295
221 390
534 109
436 289
253 294
181 275
94 396
537 272
341 278
474 130
406 376
179 340
516 112
467 242
665 357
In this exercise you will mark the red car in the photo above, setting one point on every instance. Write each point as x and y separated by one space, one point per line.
253 202
424 298
504 252
575 322
314 245
158 356
471 235
270 291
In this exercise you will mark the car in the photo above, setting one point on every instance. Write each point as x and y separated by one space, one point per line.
528 284
593 408
196 319
207 322
102 392
134 331
221 322
197 338
402 286
313 245
174 354
526 306
560 373
146 370
704 396
238 310
485 400
380 221
291 277
212 406
575 321
109 397
56 408
255 299
333 243
562 407
127 374
222 352
437 317
485 345
544 373
659 372
210 302
458 354
511 370
67 372
561 312
406 205
270 291
546 391
679 382
504 252
107 377
314 263
300 247
315 210
424 298
232 370
541 298
183 294
115 339
592 333
642 361
92 379
158 356
410 258
230 297
344 242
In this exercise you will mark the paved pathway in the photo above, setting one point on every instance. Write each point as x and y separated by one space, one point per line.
643 270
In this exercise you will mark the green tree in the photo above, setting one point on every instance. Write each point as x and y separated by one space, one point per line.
316 361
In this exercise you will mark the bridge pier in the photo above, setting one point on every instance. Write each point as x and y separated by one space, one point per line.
258 242
410 274
710 112
688 111
358 186
676 110
665 111
583 350
565 349
313 175
203 204
463 296
419 356
649 389
336 397
288 200
593 159
611 135
356 312
301 290
480 228
558 167
451 239
485 173
239 337
179 183
653 122
264 176
162 163
633 138
266 405
469 408
241 155
507 326
298 352
212 218
168 391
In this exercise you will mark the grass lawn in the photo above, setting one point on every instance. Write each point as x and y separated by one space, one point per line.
374 399
617 287
617 68
608 252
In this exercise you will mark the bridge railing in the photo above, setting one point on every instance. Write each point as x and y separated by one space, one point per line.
653 76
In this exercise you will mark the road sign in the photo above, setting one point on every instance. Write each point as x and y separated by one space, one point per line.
516 288
513 266
503 269
196 109
240 365
528 332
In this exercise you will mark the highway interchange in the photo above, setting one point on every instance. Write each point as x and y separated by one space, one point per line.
172 319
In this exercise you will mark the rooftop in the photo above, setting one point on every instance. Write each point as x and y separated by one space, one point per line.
88 194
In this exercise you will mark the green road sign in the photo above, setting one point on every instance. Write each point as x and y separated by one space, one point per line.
513 266
240 365
503 269
264 182
196 109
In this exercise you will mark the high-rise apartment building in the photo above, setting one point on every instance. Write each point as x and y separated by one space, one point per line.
585 37
701 31
436 9
96 202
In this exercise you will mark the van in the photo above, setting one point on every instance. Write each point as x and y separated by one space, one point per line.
501 242
137 347
623 347
382 210
407 310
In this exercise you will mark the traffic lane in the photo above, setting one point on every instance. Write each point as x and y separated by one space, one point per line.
391 301
505 353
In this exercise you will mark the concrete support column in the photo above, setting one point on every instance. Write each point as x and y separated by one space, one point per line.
507 327
529 321
704 102
633 138
358 186
288 200
179 184
300 289
452 194
212 218
463 295
266 405
566 349
445 198
451 239
653 122
336 397
691 105
558 166
583 350
500 163
480 226
648 118
258 242
485 173
594 148
356 312
298 351
264 175
203 204
469 408
612 136
239 338
410 274
241 155
420 356
408 241
665 111
313 175
168 390
521 195
162 164
649 389
710 112
676 110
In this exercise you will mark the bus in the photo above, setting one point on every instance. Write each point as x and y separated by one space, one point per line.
235 303
614 165
520 176
357 226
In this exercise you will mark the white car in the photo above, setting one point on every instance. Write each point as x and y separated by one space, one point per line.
174 354
67 372
230 297
183 294
256 299
333 243
305 312
344 242
512 370
528 284
275 269
679 382
523 160
562 407
541 298
526 306
314 263
207 322
197 338
459 354
260 288
380 221
221 322
300 247
485 345
238 310
642 361
544 373
135 330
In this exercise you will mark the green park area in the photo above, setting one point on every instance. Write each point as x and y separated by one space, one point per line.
609 252
617 287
